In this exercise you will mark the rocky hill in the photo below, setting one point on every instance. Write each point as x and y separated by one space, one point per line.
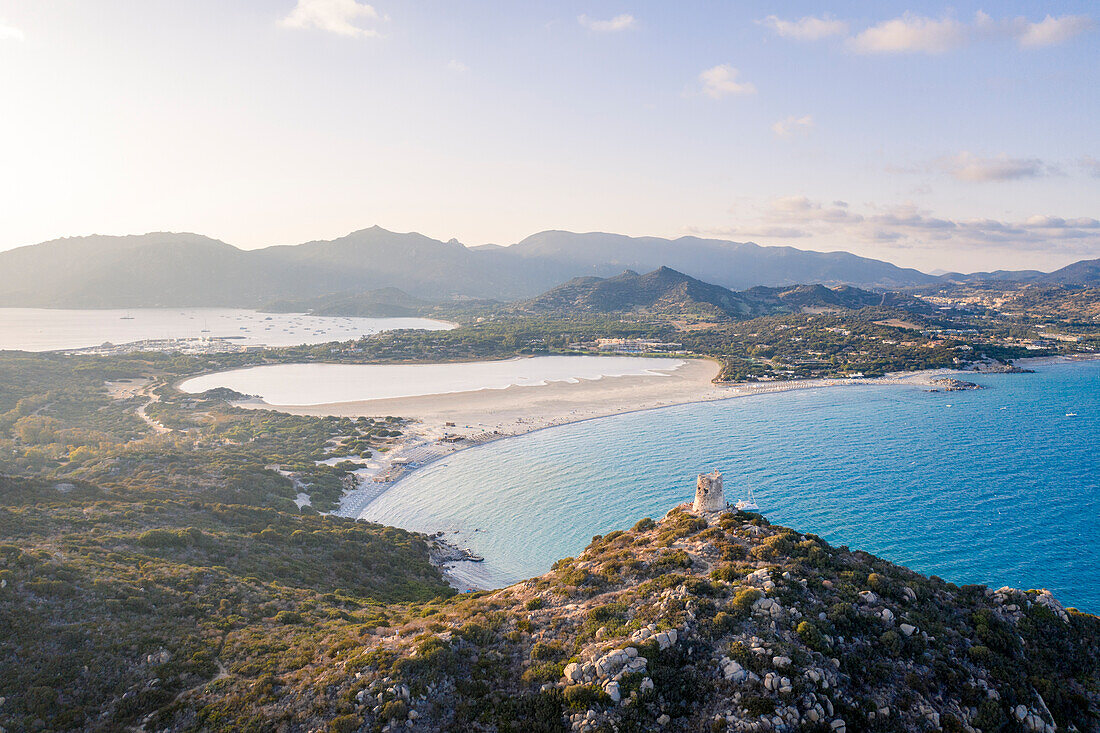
662 291
668 291
723 623
1085 273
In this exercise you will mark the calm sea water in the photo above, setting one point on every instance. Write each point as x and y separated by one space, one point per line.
42 329
997 486
320 384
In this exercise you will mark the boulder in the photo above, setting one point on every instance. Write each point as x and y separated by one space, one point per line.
1047 599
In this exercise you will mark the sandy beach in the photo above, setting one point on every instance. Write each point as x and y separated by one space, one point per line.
521 409
441 424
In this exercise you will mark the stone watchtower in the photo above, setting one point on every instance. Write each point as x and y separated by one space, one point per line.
708 494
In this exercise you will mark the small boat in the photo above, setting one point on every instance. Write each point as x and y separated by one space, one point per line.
747 505
1071 414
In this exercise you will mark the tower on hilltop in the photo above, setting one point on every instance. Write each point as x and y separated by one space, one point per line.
708 494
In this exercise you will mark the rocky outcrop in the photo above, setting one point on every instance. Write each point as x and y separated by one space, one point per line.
724 622
950 384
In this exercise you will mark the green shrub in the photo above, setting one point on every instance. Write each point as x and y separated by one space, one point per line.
723 621
162 538
758 705
288 617
344 724
544 651
395 709
879 584
892 641
811 636
727 572
583 697
741 605
673 560
545 672
607 612
990 716
733 551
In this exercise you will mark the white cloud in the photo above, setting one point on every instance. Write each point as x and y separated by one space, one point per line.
622 22
907 226
752 232
808 28
341 17
1051 31
911 33
720 81
969 167
792 125
9 32
456 65
1091 165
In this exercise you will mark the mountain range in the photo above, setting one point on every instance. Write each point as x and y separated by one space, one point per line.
170 269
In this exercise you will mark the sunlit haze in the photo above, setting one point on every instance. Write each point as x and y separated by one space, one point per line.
958 136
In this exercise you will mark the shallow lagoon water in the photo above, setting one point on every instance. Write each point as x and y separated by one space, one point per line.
42 329
320 384
998 486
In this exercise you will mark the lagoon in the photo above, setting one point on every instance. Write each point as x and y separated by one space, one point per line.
42 329
320 384
998 486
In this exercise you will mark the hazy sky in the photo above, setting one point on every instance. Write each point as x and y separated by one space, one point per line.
959 136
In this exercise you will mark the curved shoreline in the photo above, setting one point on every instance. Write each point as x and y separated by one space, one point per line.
423 445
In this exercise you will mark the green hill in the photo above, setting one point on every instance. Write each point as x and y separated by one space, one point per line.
670 292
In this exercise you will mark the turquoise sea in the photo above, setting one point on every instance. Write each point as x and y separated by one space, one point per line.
998 486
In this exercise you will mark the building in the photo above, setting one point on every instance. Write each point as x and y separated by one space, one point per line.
708 494
631 346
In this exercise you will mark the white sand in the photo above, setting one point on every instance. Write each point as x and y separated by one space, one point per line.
521 409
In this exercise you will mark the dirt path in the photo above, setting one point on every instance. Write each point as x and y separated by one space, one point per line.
141 412
139 388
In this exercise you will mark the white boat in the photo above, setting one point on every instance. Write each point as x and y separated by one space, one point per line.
747 505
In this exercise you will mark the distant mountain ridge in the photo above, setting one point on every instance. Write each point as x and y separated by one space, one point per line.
1084 273
177 270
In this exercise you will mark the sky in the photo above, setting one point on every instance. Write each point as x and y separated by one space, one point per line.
943 137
